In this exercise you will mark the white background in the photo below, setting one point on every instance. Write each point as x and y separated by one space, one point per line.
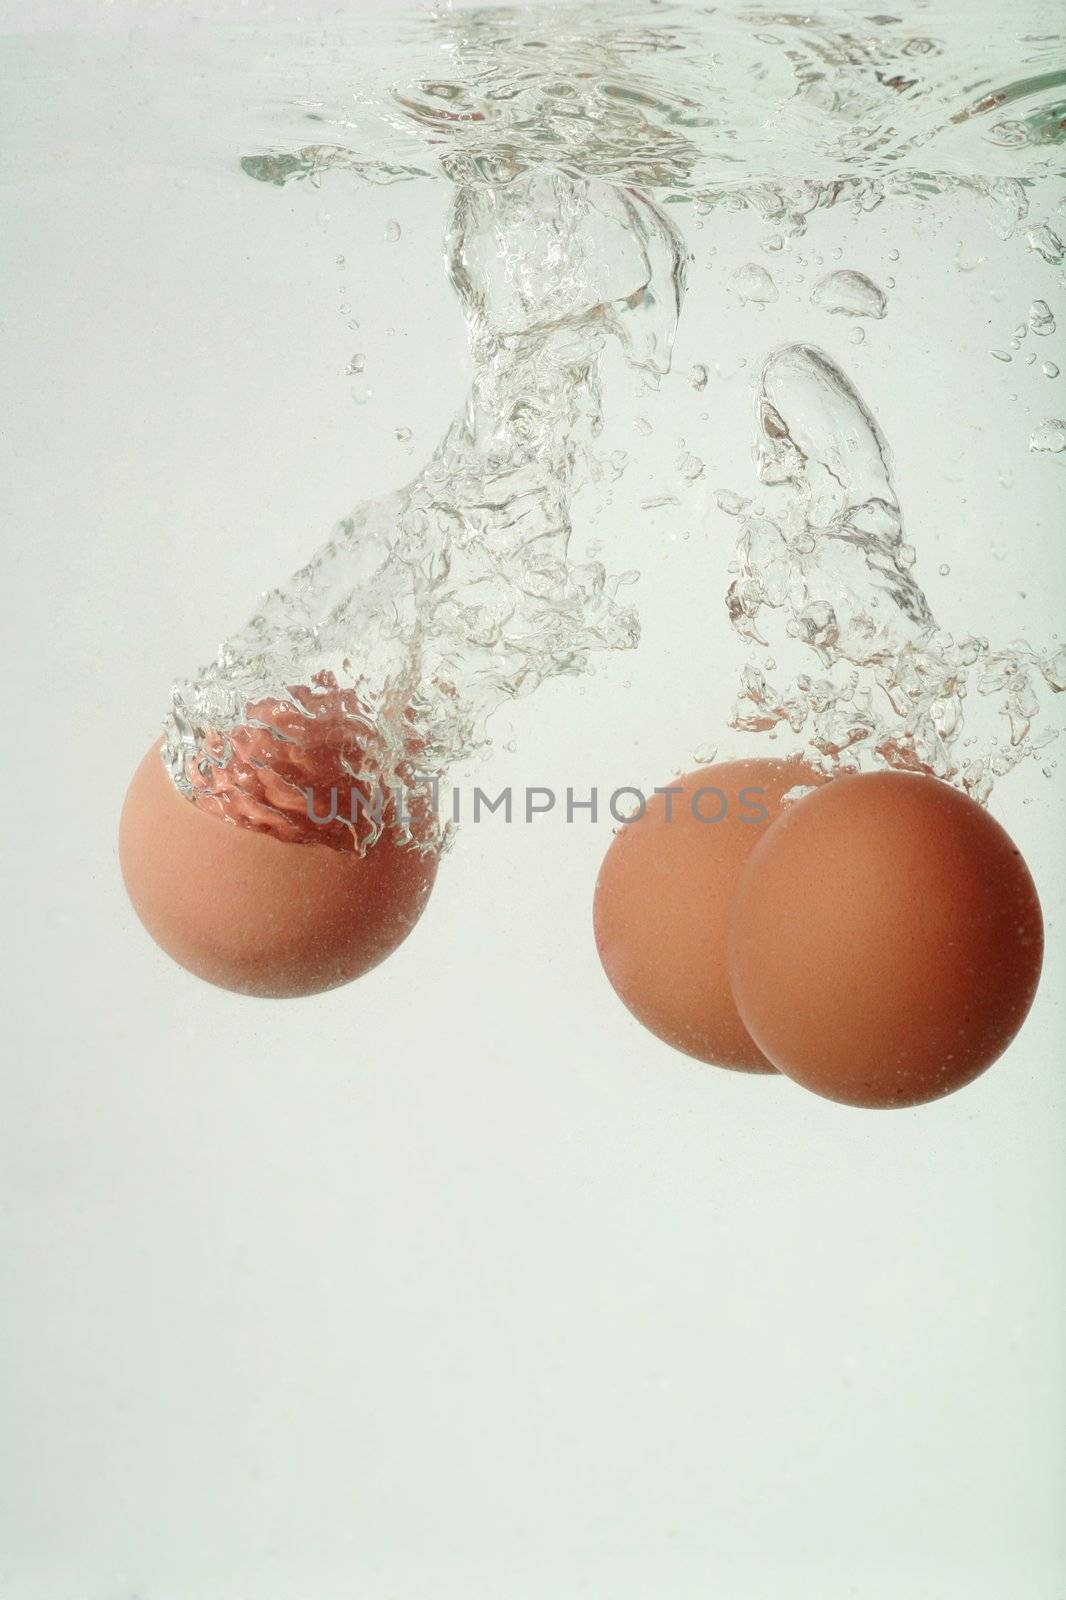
456 1284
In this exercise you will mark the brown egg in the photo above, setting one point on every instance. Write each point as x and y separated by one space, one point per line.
886 940
663 898
252 912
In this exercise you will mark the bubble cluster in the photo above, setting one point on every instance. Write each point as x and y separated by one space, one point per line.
577 144
831 573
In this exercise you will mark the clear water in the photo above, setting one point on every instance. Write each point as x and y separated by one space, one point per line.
585 151
456 1284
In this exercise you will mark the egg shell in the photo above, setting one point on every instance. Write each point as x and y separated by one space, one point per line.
886 940
248 912
663 898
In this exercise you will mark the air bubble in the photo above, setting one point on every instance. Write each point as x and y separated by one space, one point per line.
1049 438
851 294
964 263
1041 319
754 285
1046 242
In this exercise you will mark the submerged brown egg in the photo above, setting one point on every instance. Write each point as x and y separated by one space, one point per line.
249 910
886 940
663 898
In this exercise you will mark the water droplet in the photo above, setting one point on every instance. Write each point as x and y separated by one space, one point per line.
698 377
362 396
943 569
690 467
403 435
704 754
340 261
1001 355
754 285
1049 438
642 425
732 504
1049 369
392 231
356 364
774 242
850 293
893 255
857 335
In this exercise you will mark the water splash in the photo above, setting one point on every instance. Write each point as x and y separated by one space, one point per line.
832 572
573 139
429 608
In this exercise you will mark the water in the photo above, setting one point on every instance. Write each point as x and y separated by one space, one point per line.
456 1284
585 150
